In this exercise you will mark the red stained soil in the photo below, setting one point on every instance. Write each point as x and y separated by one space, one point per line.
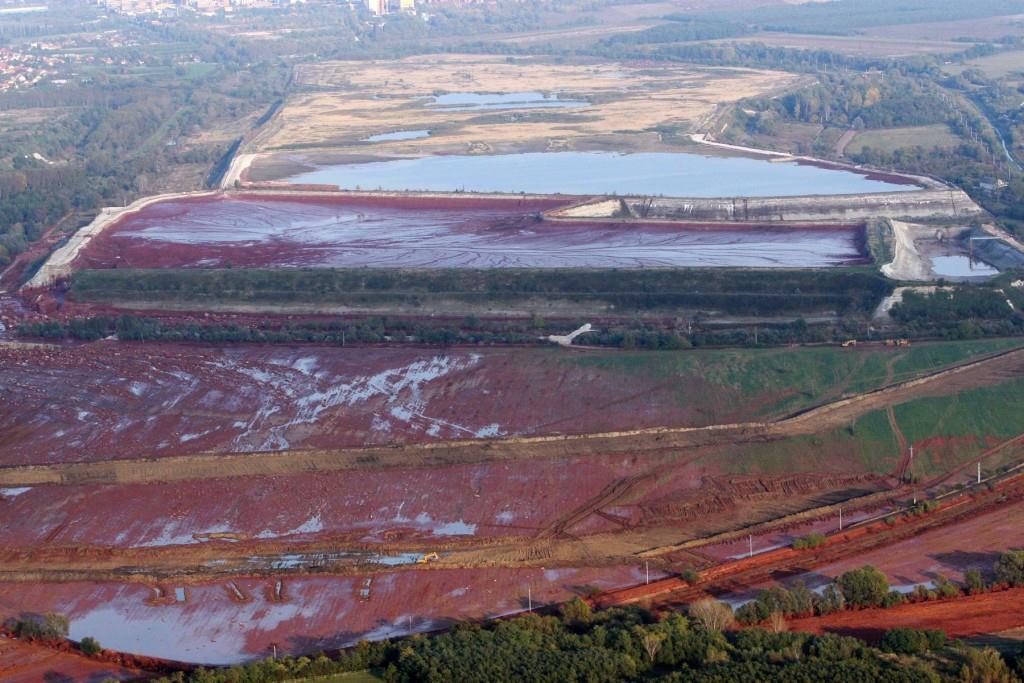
972 544
959 618
103 400
22 662
213 626
354 231
439 504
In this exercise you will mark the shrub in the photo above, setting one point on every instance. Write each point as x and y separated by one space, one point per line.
974 581
48 626
576 612
90 646
893 598
912 641
864 587
1009 568
812 540
831 600
712 614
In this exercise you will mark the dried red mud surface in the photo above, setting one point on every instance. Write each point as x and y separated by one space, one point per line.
108 400
423 232
959 618
28 663
518 499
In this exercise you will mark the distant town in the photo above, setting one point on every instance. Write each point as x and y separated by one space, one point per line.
162 7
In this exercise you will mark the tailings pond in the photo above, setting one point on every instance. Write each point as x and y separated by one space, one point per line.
592 173
278 231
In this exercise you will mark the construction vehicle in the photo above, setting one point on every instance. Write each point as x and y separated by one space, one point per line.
848 343
429 557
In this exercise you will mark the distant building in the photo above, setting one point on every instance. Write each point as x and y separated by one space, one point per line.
992 184
407 5
378 7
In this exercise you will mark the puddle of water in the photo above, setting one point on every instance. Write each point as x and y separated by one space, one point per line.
597 173
179 594
456 528
396 560
959 265
470 101
398 135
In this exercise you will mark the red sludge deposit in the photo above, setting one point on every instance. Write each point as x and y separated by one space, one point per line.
438 232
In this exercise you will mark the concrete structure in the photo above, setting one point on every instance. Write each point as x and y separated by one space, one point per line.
928 204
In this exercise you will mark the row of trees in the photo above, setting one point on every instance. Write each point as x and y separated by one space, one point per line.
868 587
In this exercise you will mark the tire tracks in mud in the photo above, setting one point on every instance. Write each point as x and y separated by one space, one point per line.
992 369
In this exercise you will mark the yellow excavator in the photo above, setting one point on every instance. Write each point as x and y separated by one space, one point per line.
429 557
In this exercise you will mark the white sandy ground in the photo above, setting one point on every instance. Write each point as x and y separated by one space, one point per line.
907 262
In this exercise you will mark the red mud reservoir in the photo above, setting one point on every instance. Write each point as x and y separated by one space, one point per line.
428 232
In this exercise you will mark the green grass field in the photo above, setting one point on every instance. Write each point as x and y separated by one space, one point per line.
774 382
891 139
947 431
994 66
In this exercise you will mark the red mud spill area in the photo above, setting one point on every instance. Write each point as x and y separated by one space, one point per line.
227 622
950 550
425 232
22 662
962 617
423 505
115 400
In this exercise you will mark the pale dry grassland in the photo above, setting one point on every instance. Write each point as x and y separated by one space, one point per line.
359 99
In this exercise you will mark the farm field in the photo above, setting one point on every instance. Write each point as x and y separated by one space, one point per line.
892 139
985 28
993 66
859 45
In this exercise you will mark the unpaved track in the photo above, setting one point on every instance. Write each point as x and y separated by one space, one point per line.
993 369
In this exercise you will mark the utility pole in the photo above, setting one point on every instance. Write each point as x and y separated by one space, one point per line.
647 568
840 519
750 540
979 472
910 465
529 598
